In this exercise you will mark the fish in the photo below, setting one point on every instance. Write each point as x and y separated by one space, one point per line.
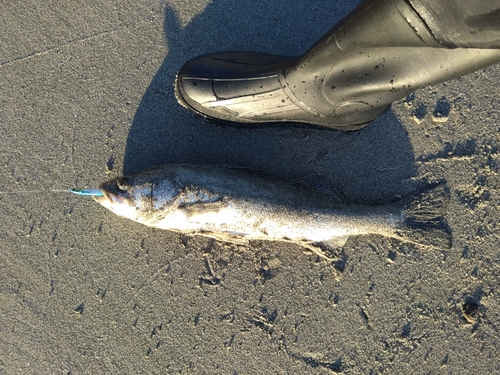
234 204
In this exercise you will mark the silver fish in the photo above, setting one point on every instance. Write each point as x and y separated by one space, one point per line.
233 204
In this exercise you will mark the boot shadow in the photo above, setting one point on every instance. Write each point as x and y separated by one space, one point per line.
371 165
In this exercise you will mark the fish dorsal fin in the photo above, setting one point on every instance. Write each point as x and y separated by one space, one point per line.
240 168
320 184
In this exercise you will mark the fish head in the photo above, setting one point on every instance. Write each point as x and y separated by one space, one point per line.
138 197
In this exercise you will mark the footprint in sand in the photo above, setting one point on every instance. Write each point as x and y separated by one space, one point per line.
440 114
441 111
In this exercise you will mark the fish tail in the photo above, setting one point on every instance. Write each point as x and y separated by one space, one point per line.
425 221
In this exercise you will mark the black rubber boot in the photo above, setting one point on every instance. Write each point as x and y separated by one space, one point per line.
381 52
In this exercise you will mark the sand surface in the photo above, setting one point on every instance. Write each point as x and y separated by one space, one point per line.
86 94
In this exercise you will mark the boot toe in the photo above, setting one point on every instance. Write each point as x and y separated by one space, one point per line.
233 86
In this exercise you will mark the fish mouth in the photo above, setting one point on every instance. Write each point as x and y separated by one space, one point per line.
108 197
102 198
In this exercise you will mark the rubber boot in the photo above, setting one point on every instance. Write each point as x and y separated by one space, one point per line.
380 53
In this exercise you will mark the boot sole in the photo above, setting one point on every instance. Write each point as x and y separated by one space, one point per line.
186 103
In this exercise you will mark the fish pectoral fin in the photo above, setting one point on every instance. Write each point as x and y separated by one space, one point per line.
202 207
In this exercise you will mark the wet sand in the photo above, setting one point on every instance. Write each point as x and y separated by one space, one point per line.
87 93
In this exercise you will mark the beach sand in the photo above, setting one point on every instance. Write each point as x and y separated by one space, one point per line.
86 92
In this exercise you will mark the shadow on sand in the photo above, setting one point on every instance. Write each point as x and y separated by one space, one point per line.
371 165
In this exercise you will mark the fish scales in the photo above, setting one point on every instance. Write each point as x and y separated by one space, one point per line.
230 202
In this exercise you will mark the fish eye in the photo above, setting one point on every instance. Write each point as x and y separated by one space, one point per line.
122 185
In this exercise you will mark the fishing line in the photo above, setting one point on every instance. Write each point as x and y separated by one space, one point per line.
34 191
88 192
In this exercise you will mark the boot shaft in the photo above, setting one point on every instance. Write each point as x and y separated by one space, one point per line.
379 53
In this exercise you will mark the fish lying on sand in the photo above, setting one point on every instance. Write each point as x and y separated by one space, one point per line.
234 203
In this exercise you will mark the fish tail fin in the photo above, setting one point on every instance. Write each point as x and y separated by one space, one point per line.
425 222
